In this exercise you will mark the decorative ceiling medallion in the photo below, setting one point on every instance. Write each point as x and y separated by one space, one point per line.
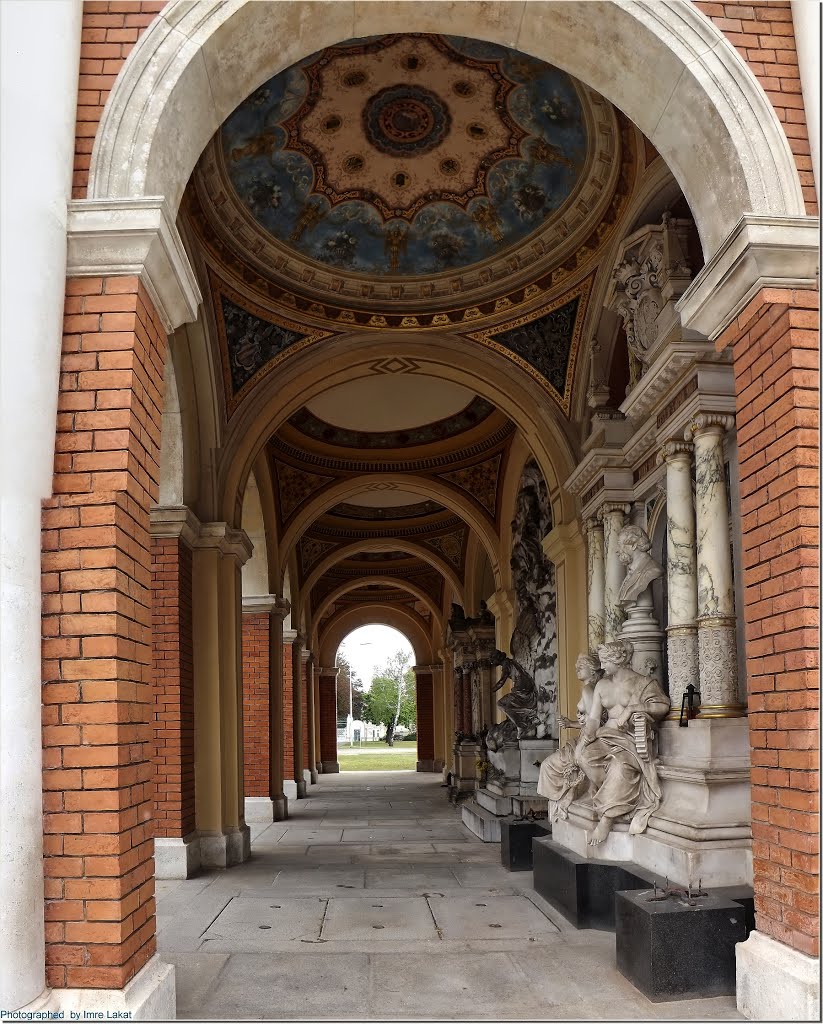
311 426
294 486
545 342
253 340
479 482
431 176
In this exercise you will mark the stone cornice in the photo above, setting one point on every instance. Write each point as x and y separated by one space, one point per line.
761 252
134 237
228 541
332 671
175 521
266 604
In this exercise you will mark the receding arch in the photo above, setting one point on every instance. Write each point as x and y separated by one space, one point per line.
447 496
666 66
408 546
316 369
396 582
404 620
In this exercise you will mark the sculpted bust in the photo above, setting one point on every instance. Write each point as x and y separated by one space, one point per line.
633 546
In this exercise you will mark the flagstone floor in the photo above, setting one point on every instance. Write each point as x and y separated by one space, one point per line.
374 902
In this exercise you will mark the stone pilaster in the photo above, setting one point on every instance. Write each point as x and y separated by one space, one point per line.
681 569
614 519
596 583
717 645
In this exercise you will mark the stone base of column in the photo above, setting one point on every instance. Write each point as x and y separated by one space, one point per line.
330 767
225 849
290 789
177 857
281 808
259 808
150 995
776 982
302 786
681 642
439 764
314 775
717 644
427 765
307 778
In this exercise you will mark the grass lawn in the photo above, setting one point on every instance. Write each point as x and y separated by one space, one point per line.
379 761
381 745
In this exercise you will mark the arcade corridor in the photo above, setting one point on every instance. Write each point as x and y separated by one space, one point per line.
375 902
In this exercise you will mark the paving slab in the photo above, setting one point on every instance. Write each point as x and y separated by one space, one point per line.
251 925
406 918
499 917
410 877
320 879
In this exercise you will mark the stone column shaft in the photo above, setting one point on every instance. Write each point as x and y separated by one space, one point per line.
458 700
614 519
311 712
297 714
596 588
681 570
717 642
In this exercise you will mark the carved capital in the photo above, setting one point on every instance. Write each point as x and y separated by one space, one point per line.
614 508
672 451
593 525
704 423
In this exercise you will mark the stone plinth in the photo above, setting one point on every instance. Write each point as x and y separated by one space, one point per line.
671 950
532 753
466 755
485 824
516 843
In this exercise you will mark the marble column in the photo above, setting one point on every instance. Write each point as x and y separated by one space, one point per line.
468 688
40 59
458 699
716 632
681 570
614 519
596 584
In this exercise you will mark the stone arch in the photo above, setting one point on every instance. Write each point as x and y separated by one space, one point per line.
401 619
398 582
460 360
409 546
666 66
343 490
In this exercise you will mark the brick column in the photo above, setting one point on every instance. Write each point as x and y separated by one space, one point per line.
176 848
425 717
288 763
775 345
97 692
256 712
327 678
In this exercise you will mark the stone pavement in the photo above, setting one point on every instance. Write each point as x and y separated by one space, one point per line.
374 902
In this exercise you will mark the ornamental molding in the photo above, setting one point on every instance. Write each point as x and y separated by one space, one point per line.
134 238
174 521
761 252
225 539
266 604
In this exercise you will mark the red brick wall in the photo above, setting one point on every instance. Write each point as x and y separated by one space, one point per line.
763 34
776 353
328 718
110 30
256 714
304 703
97 694
425 718
288 712
173 687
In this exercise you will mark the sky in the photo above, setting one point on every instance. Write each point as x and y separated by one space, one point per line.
372 646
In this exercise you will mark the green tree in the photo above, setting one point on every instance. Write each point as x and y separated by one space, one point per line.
345 675
391 699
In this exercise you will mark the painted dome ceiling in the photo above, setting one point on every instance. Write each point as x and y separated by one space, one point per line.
407 154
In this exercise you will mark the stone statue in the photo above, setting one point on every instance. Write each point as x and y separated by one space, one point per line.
633 546
522 705
618 758
561 778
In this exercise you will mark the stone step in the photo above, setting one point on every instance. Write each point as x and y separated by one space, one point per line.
492 802
483 823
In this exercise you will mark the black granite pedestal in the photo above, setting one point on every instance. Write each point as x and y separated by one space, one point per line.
583 890
671 950
516 842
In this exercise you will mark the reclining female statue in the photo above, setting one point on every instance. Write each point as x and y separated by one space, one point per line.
561 778
618 757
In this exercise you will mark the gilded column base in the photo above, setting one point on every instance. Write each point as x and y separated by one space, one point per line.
681 648
717 655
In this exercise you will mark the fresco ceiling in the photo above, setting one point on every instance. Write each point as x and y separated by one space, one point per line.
407 154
